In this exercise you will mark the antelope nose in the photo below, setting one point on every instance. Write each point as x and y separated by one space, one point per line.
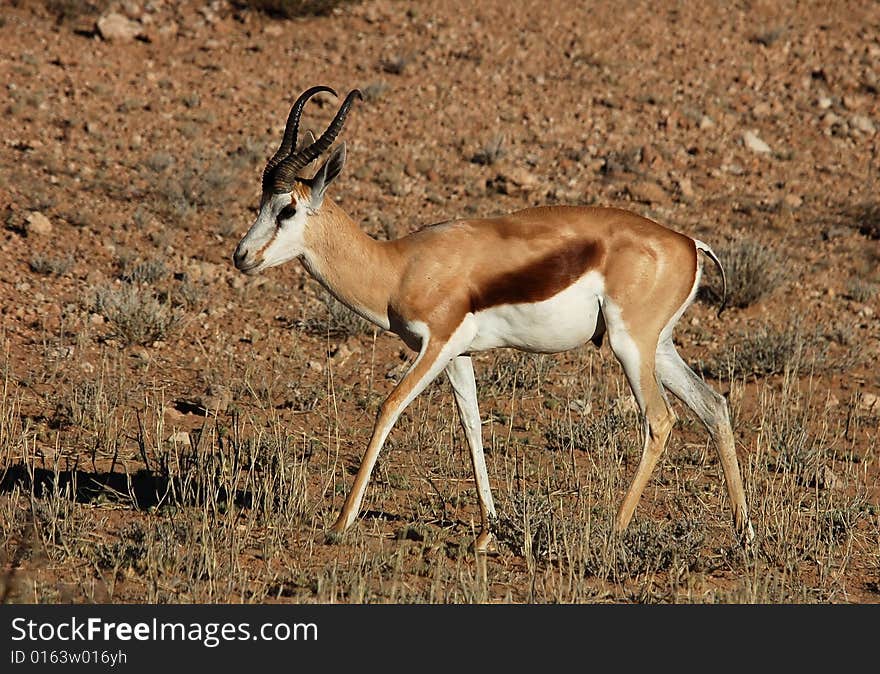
238 257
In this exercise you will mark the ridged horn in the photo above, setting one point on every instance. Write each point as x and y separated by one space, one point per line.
286 171
291 130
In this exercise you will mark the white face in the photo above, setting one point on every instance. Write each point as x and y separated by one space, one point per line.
276 235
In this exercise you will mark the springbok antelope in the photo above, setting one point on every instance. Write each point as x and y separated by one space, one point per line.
541 279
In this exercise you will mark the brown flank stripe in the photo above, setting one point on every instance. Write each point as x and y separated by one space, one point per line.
540 280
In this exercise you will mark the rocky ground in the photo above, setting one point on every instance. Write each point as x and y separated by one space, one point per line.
136 359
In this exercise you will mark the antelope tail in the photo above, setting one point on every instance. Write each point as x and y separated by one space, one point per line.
711 255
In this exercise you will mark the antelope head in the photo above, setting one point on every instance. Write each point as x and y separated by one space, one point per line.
289 202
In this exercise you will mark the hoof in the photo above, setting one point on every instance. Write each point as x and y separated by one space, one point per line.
332 537
485 544
748 534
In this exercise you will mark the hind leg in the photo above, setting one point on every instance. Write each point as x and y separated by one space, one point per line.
637 360
711 408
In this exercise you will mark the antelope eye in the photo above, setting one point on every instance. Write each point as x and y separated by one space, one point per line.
286 213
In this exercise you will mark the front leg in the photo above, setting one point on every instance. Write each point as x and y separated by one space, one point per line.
464 386
435 354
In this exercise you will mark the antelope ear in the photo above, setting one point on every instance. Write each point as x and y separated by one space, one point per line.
326 175
308 139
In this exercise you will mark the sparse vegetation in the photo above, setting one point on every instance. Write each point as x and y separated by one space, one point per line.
491 152
753 271
339 320
290 9
49 265
135 314
206 460
761 352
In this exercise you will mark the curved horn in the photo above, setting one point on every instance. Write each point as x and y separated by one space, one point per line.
288 168
291 130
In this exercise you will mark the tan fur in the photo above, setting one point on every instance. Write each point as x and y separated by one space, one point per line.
435 275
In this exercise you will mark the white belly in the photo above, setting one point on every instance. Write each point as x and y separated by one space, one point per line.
562 322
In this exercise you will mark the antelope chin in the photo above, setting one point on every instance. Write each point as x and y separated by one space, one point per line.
252 269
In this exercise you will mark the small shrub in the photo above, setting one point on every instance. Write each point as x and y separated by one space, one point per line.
189 294
50 266
762 352
528 370
374 91
491 152
585 437
159 161
753 270
653 546
525 525
396 65
135 315
70 10
340 321
149 271
290 9
861 290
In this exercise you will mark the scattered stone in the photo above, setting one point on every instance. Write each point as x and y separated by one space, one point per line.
686 187
37 223
869 402
169 29
515 181
172 415
827 479
792 200
706 122
647 192
824 103
216 399
762 109
581 406
754 143
829 119
863 124
115 27
132 9
179 437
273 30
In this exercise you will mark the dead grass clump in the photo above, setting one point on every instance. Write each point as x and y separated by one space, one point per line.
289 9
491 152
806 486
753 270
515 368
71 10
861 290
760 353
339 320
374 91
203 181
586 435
143 272
50 266
135 314
525 525
864 216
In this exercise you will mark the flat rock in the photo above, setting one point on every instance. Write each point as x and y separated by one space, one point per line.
753 142
37 223
115 27
647 192
863 124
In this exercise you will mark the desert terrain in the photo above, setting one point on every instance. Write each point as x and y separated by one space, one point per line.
174 431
